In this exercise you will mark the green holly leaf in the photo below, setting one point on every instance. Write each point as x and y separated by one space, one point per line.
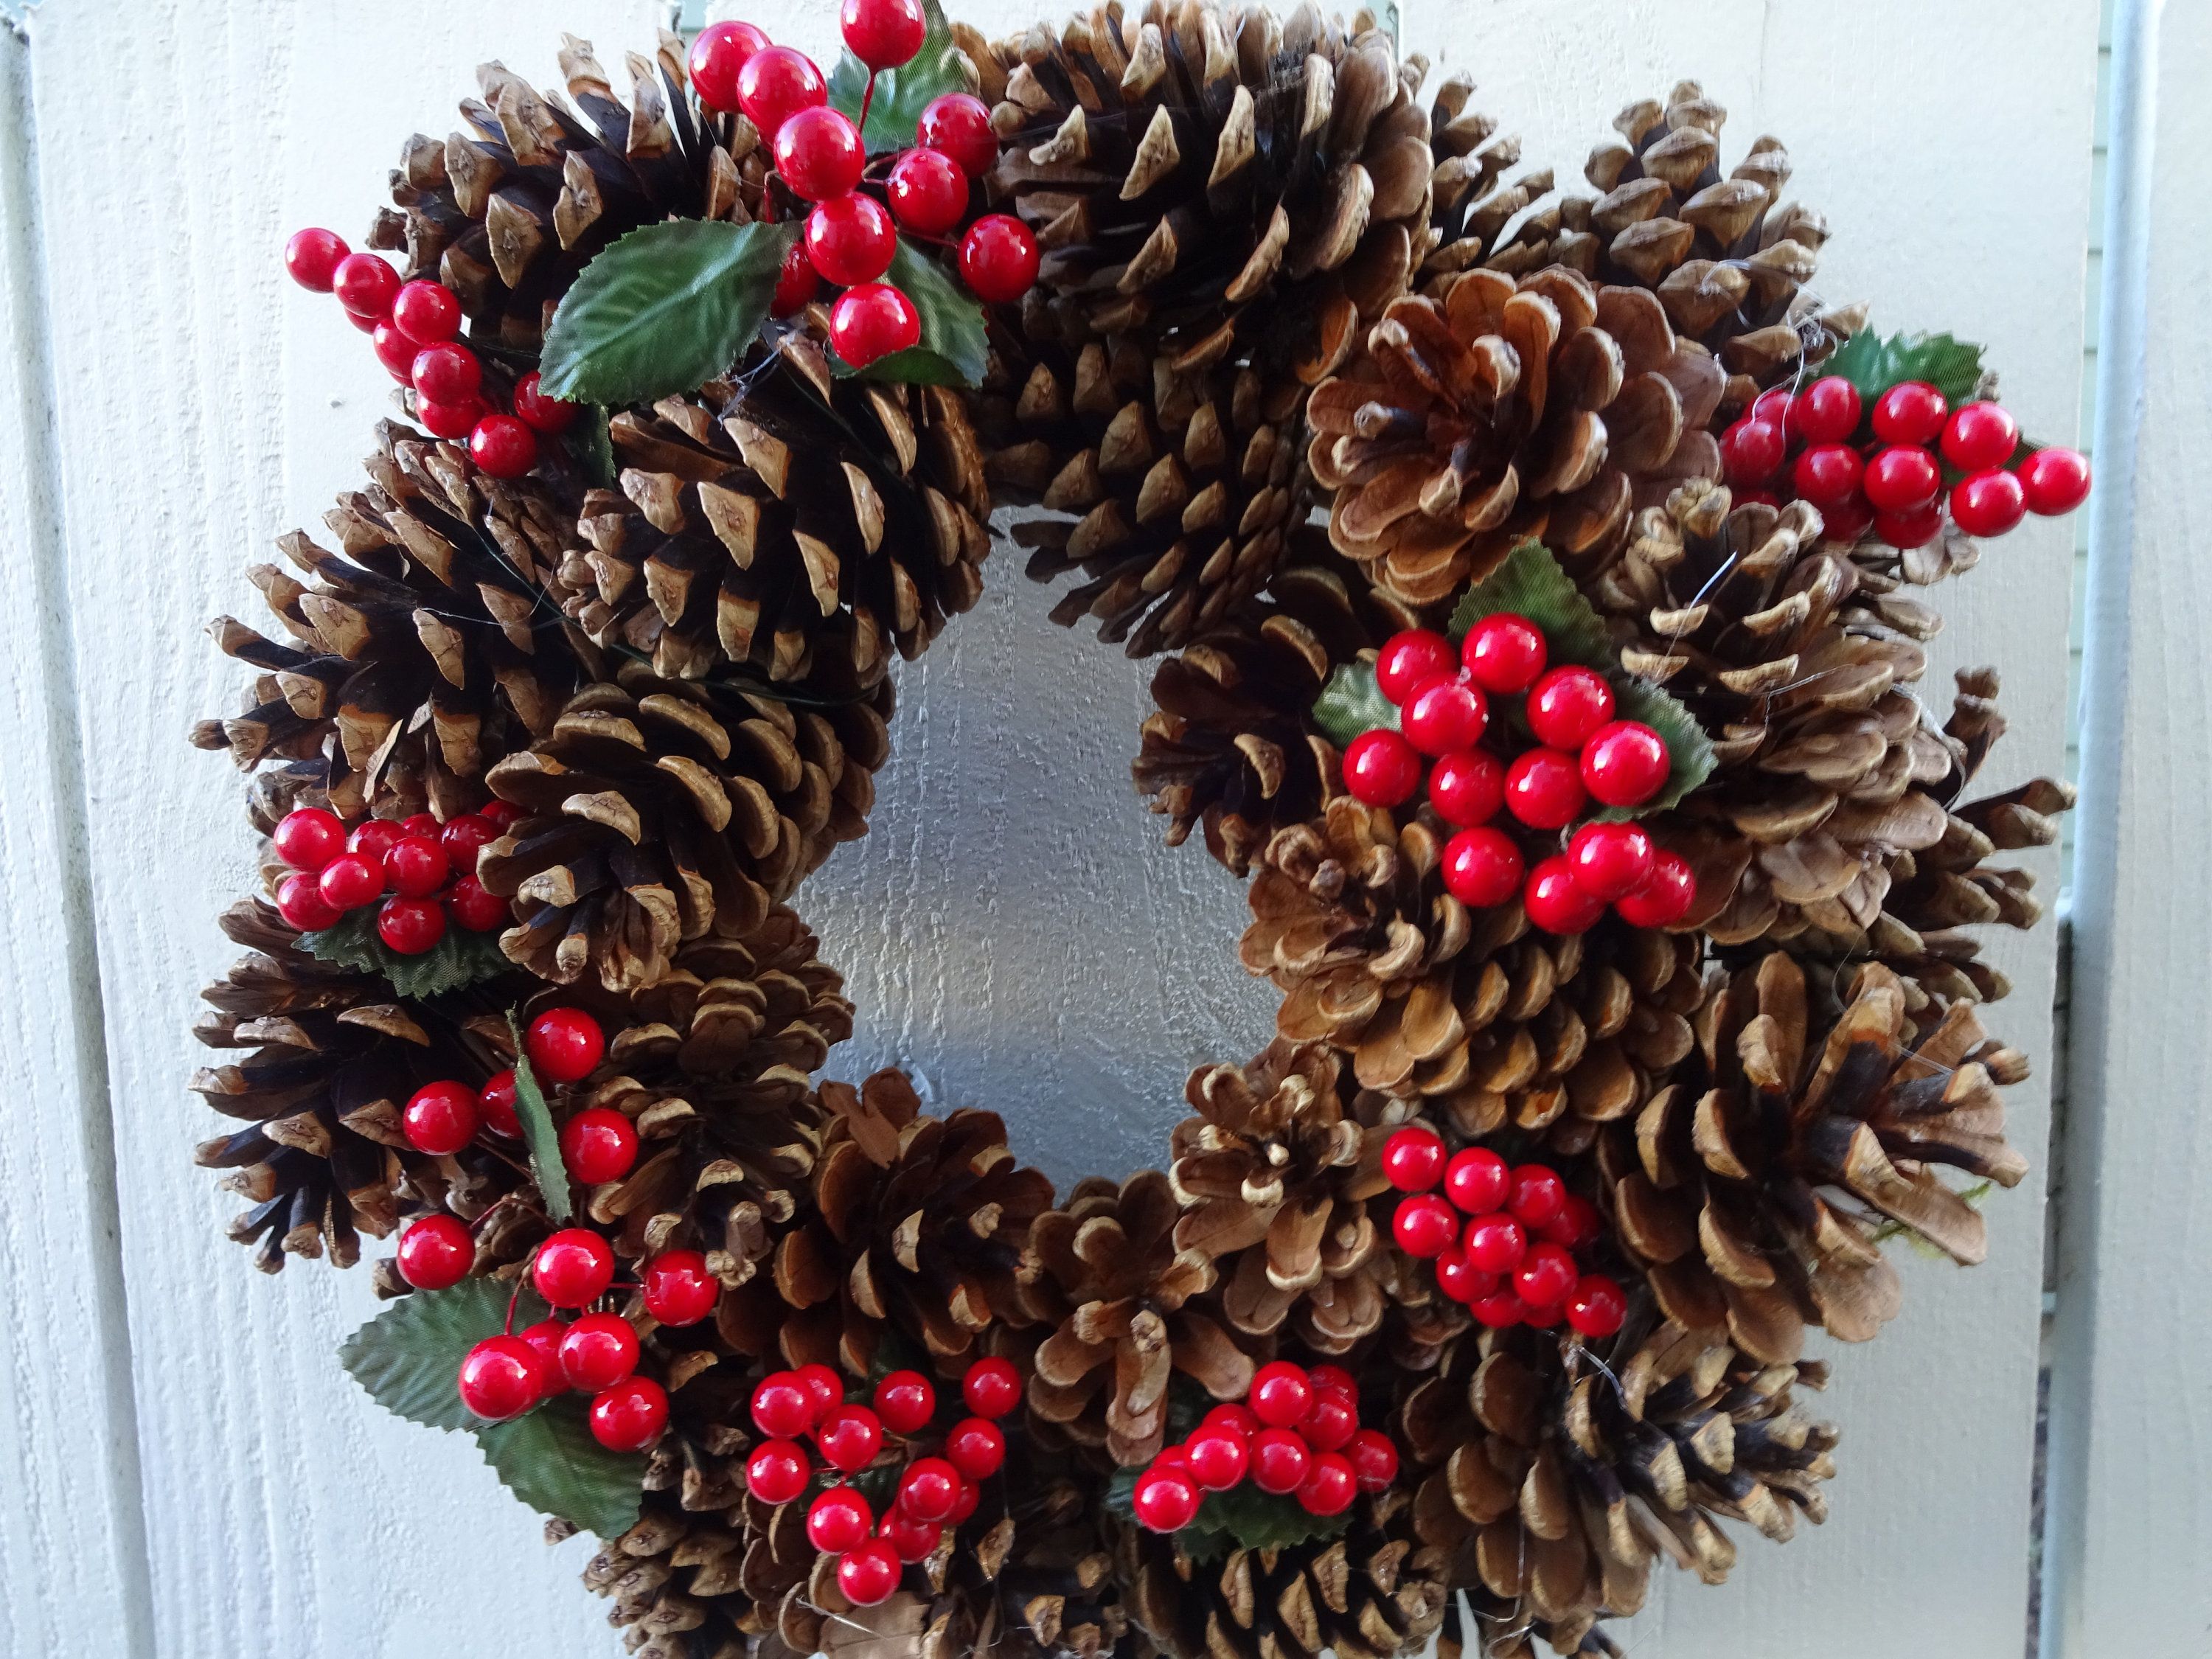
1531 584
547 1167
591 442
459 958
954 350
1689 752
663 310
1952 366
915 366
547 1458
408 1356
1352 702
904 93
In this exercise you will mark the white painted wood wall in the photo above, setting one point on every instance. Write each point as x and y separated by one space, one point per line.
196 1478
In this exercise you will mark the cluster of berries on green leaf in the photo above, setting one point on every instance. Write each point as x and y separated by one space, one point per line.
857 208
418 871
1581 753
1502 1239
415 328
1295 1434
1899 467
939 1474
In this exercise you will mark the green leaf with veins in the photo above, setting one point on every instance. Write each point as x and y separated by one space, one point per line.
459 958
1872 365
904 93
408 1357
547 1166
1531 584
547 1458
1352 702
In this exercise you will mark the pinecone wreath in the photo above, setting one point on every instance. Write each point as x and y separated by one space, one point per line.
1541 585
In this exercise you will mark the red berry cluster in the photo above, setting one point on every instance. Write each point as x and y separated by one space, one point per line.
1296 1434
415 328
852 228
1477 1232
936 1490
1583 754
423 871
1886 468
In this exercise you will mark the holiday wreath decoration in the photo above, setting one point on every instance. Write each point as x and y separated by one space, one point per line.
1538 581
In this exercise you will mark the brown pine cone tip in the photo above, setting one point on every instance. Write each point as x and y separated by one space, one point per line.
656 812
1553 1485
1503 408
417 654
333 1057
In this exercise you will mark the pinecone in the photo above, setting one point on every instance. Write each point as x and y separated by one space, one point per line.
334 1056
1503 410
686 1585
656 812
1754 1187
1105 1270
415 656
1554 1483
797 527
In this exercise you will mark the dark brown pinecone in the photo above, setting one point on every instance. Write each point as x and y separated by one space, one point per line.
418 653
1126 1309
705 1570
1231 748
1756 1188
1553 1484
331 1056
795 527
1373 1592
658 811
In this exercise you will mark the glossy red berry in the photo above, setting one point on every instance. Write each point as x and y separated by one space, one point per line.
905 1401
1381 768
572 1267
782 1407
351 880
1577 1225
1409 660
774 83
1554 903
1503 652
1279 1460
448 420
1445 714
440 1118
1495 1243
1544 788
882 33
1544 1276
545 1336
1476 1181
999 259
1374 1460
1978 436
839 1520
1597 1306
1826 475
1414 1160
312 258
419 823
678 1289
796 282
868 1573
374 838
819 153
1910 412
1280 1394
1567 704
2054 480
503 446
927 191
307 838
1231 1415
850 1437
970 1496
1166 1499
503 1377
395 351
1901 478
959 124
428 313
1626 764
1219 1457
824 1386
1500 1310
598 1145
299 900
992 1388
1773 408
495 1105
929 1488
411 926
436 1251
538 411
1666 898
1460 1278
1987 503
1330 1421
564 1045
1826 411
463 835
1330 1484
475 908
1845 523
872 321
1467 786
600 1350
910 1540
1425 1225
1535 1195
448 374
1483 866
1752 452
365 285
503 814
416 867
1914 529
778 1471
975 1448
717 56
1610 860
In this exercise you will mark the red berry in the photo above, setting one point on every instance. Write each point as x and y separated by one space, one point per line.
992 1388
1576 1224
678 1289
1666 898
598 1145
1536 1195
910 1540
1544 1276
999 259
503 814
1979 437
883 33
1846 522
1567 705
1900 478
1330 1421
717 56
1828 475
1409 660
1414 1160
1374 1460
545 1336
929 1488
374 838
1330 1484
905 1401
1476 1181
440 1118
872 321
299 900
970 1495
868 1573
427 312
1495 1243
462 835
975 1448
839 1520
1279 1460
1280 1394
1910 412
1597 1306
774 84
1914 529
448 420
351 880
1219 1457
365 285
411 926
476 909
2054 480
959 124
307 838
572 1267
1425 1225
502 446
1167 1500
1542 1315
1174 1457
1626 764
819 153
539 412
416 867
1987 503
564 1045
503 1377
395 351
927 191
1544 789
1333 1379
598 1351
1482 866
1503 652
782 1407
495 1104
1460 1280
1610 860
850 1437
1773 408
796 284
778 1471
1445 714
447 373
418 823
1381 768
1826 411
436 1251
1752 452
1554 903
1231 1415
1500 1310
312 257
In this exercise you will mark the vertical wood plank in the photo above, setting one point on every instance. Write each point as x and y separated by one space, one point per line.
2131 1452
